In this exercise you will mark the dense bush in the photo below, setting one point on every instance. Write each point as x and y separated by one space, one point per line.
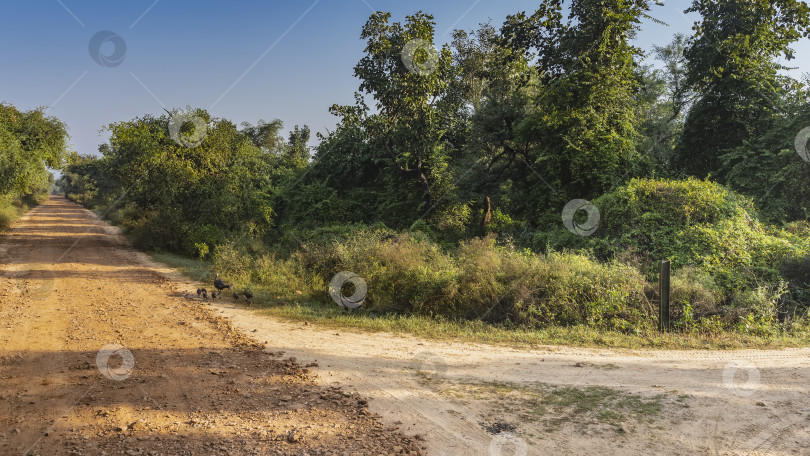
187 197
12 206
408 273
698 223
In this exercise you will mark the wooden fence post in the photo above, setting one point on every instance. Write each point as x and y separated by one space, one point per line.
663 308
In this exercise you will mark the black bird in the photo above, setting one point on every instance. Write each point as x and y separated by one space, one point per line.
220 284
203 292
214 295
236 296
248 296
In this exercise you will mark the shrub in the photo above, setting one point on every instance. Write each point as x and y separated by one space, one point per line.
796 272
404 273
693 222
234 263
293 239
13 206
409 274
201 240
283 278
695 286
7 215
761 308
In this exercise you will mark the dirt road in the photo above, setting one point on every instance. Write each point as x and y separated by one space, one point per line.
99 354
746 402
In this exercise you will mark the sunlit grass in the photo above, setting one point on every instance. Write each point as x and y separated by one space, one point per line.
305 308
9 213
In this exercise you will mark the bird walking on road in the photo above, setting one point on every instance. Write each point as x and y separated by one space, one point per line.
247 294
220 284
202 292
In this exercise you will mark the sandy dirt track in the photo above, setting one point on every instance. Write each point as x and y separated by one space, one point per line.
746 402
100 354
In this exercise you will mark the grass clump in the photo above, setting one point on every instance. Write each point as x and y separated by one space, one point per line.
600 404
13 206
407 274
557 406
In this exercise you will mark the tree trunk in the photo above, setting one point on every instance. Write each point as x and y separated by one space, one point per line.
487 215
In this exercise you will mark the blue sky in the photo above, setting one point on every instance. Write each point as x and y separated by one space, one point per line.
243 60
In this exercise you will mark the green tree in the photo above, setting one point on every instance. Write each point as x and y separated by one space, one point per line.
85 180
297 151
663 97
30 143
407 125
494 84
732 67
189 196
389 158
769 168
583 131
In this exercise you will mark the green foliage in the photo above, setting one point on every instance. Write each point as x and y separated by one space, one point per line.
732 66
584 130
396 155
409 274
10 209
694 222
186 197
694 297
250 266
497 83
30 143
770 170
662 96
